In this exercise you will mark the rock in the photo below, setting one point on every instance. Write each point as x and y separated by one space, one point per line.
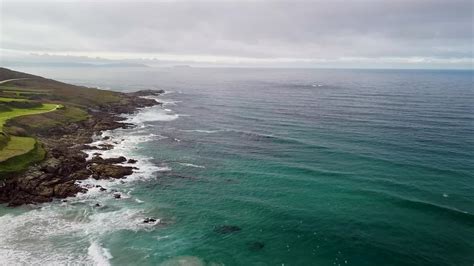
117 196
45 191
65 163
227 229
105 146
97 159
97 205
131 161
256 246
68 189
80 174
149 220
148 92
89 147
51 165
104 171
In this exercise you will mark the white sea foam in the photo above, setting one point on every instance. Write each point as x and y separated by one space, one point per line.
192 165
184 261
66 233
98 254
151 114
201 131
33 237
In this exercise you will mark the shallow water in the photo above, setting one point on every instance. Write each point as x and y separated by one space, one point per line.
317 167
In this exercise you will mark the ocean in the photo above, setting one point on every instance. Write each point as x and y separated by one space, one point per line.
271 167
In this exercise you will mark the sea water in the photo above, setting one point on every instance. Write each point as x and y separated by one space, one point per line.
316 167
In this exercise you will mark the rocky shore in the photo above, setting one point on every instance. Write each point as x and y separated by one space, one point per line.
66 162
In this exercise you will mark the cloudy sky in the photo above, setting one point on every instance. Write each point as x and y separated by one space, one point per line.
324 33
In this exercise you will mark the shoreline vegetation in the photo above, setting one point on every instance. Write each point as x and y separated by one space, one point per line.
46 125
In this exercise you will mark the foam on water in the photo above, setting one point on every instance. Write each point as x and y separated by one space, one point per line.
192 165
201 131
54 233
98 254
151 114
70 232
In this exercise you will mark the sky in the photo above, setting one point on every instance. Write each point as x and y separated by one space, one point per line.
265 33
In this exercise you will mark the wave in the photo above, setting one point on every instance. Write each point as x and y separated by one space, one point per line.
98 254
26 238
192 165
151 114
424 206
202 130
185 260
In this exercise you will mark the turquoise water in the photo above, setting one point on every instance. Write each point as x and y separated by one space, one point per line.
316 167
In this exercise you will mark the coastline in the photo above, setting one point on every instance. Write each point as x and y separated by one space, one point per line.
67 162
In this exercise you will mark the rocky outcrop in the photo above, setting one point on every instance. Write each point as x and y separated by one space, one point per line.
105 171
65 163
148 92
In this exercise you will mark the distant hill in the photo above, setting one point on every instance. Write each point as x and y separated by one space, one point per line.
71 64
6 73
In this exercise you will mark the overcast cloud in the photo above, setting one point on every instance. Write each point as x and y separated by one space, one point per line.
388 33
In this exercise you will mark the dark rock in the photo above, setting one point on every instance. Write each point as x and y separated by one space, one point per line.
132 161
89 147
65 163
102 189
105 146
148 92
68 189
106 138
101 160
97 205
117 196
227 229
51 165
256 246
104 171
149 220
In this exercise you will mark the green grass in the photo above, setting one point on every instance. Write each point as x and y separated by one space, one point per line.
43 122
19 163
21 90
21 114
15 112
17 146
3 99
4 139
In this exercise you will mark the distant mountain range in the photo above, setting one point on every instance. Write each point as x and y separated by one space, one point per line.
71 64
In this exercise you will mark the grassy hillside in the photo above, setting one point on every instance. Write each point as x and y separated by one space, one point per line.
15 112
34 104
19 163
17 146
10 74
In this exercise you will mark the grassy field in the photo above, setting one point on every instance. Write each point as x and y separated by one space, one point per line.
18 152
3 99
26 110
46 107
19 163
17 146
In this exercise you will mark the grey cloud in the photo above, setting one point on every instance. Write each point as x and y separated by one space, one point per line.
261 29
